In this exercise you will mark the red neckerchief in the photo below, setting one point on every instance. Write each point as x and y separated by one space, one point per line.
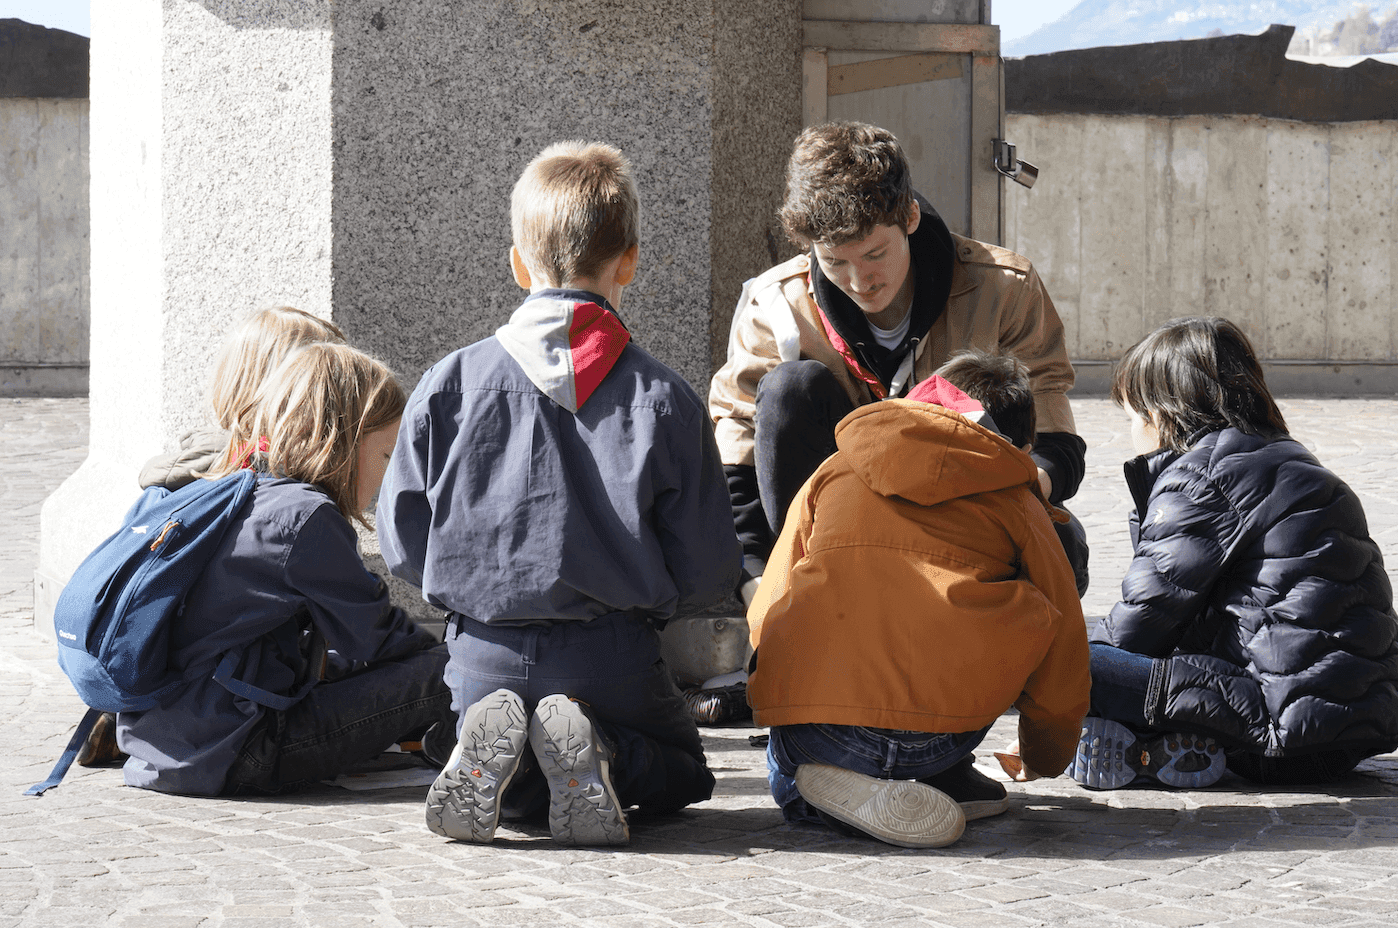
247 449
840 345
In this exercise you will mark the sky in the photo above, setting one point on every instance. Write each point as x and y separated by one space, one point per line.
70 15
1016 18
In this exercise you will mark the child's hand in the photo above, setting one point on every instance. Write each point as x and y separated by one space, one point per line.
1013 764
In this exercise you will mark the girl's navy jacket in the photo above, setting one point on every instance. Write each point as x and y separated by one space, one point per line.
1255 575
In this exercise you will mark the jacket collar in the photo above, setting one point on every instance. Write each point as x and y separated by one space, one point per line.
961 282
1143 470
566 342
565 295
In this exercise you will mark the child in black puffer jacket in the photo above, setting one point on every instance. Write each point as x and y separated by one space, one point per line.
1256 626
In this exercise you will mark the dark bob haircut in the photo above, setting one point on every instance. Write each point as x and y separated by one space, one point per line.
1196 374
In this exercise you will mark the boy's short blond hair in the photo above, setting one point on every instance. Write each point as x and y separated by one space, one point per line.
573 209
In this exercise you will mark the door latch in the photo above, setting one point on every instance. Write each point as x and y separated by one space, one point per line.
1021 172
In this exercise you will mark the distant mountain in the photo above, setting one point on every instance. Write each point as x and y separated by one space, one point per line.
1094 23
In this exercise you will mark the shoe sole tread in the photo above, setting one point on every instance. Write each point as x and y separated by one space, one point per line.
1102 760
904 813
1109 756
464 801
1168 750
583 806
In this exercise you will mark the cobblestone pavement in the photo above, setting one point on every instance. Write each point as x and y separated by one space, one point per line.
93 852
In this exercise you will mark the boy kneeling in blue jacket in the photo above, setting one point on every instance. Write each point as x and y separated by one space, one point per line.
559 492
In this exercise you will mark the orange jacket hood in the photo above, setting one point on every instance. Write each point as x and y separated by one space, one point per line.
953 457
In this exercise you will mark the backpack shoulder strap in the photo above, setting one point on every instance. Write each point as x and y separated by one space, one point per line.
223 676
75 744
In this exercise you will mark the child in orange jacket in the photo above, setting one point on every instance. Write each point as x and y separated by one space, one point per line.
918 591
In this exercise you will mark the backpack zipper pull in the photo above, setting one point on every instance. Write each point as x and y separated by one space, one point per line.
160 539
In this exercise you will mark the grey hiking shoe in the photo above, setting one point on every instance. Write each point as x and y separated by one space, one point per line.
901 812
1110 756
583 804
464 802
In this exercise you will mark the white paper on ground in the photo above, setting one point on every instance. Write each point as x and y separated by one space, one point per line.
386 779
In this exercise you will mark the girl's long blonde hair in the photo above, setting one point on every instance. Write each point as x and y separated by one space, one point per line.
252 351
313 411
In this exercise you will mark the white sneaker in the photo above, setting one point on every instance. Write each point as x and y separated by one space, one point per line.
901 812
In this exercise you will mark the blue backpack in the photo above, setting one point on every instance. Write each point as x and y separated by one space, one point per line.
113 619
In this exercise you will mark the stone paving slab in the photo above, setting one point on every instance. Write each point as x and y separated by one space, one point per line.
95 853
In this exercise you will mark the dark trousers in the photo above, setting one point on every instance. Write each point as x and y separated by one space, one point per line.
1123 681
342 722
612 664
799 403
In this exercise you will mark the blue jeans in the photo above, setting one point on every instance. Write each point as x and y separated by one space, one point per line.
1120 683
1123 683
342 722
612 664
875 752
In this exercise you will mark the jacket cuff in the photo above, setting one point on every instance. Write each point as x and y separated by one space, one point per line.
749 518
1063 456
753 568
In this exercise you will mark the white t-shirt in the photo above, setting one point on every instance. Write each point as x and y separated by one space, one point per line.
892 338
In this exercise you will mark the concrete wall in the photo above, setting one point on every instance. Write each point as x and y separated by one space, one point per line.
1286 226
1289 229
43 212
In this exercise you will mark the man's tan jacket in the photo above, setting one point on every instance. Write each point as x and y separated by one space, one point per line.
997 303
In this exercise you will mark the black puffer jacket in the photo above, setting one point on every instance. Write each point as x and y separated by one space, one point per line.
1254 573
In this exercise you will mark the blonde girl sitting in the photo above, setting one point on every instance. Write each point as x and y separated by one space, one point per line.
286 585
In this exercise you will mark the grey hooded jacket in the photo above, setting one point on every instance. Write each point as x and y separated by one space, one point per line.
557 472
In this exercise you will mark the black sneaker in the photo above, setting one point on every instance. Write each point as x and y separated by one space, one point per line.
576 760
464 802
436 745
978 795
720 705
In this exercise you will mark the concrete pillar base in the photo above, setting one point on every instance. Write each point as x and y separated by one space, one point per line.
85 509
